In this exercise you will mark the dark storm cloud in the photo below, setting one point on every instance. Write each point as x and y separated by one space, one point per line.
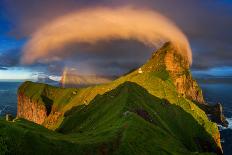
207 24
108 50
55 68
106 57
11 58
211 54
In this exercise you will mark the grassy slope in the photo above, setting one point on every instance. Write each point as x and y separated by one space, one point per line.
156 83
126 120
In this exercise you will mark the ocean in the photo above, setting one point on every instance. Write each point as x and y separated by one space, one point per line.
8 97
222 93
213 93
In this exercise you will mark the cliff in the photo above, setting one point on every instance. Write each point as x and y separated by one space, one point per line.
168 59
215 113
31 110
38 101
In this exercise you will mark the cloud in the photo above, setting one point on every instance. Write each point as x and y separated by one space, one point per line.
3 68
10 58
211 54
97 24
206 23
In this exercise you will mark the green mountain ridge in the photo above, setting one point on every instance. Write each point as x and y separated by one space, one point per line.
156 109
126 120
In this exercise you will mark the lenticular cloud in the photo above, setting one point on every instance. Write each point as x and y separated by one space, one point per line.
100 24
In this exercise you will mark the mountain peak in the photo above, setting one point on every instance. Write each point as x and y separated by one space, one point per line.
169 59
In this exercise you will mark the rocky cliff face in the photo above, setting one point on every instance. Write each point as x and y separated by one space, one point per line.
35 111
167 58
35 102
178 69
30 109
215 113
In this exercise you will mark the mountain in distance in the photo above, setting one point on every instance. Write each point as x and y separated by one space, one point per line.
215 79
156 109
43 78
71 78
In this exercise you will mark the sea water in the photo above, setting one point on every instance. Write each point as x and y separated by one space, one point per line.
221 92
8 97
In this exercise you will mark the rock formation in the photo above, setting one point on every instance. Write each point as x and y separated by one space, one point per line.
215 113
167 58
31 109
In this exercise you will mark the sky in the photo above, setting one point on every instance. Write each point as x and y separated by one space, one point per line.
207 25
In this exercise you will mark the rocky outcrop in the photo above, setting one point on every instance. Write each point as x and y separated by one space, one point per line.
217 116
170 60
52 119
215 113
178 70
31 110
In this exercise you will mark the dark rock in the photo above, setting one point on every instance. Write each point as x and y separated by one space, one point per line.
215 113
144 114
217 116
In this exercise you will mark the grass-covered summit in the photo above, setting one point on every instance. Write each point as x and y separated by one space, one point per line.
152 110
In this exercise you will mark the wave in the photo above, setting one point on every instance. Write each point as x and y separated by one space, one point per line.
4 90
229 125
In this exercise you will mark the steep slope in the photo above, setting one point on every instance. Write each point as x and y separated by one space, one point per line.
167 59
126 120
158 76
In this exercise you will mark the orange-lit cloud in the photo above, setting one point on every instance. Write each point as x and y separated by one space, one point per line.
99 24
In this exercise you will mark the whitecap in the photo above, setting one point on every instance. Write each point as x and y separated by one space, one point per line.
229 125
4 90
230 122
